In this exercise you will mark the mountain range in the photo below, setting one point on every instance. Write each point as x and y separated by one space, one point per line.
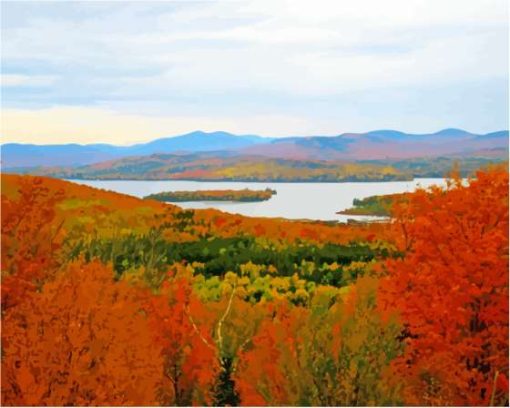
375 145
30 155
374 156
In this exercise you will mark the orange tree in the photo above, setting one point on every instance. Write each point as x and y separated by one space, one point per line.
451 290
181 326
31 235
83 340
335 353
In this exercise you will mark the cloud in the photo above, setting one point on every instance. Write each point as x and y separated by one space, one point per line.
230 60
12 80
90 125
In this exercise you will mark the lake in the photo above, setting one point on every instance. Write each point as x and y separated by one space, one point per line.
315 201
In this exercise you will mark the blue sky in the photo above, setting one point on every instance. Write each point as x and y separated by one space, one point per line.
124 72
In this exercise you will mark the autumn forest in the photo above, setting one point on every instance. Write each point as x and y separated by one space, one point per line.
254 203
112 300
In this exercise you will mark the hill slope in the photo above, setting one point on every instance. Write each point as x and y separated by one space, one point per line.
208 166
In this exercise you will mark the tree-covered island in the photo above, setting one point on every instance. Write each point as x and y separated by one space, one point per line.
245 195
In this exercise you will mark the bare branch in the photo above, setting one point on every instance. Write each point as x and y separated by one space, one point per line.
220 322
195 328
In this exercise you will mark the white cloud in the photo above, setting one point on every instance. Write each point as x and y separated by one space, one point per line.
91 125
9 80
227 60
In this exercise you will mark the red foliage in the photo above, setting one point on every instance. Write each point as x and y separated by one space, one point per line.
82 341
180 326
31 234
76 337
451 290
261 374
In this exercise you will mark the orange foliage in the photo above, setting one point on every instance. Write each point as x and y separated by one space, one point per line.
451 290
279 228
82 341
31 234
261 375
181 327
141 215
76 337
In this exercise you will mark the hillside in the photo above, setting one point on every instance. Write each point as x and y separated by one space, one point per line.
106 207
206 166
242 168
109 300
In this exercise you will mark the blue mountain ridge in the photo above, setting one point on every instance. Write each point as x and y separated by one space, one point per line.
29 155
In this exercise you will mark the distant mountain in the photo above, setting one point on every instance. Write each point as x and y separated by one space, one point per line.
196 142
28 155
383 144
452 132
503 134
375 145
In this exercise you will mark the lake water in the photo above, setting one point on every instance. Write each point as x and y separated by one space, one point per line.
315 201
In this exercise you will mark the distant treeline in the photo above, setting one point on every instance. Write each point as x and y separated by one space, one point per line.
260 169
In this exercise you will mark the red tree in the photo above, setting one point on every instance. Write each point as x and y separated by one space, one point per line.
182 326
31 234
83 340
451 289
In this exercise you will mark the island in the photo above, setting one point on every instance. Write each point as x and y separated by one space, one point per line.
245 195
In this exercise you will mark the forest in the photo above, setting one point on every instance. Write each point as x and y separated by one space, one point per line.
258 168
108 299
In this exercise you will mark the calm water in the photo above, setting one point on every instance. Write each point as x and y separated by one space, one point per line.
317 201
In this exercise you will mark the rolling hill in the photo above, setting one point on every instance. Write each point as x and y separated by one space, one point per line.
210 167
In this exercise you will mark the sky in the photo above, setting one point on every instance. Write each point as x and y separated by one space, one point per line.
124 72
